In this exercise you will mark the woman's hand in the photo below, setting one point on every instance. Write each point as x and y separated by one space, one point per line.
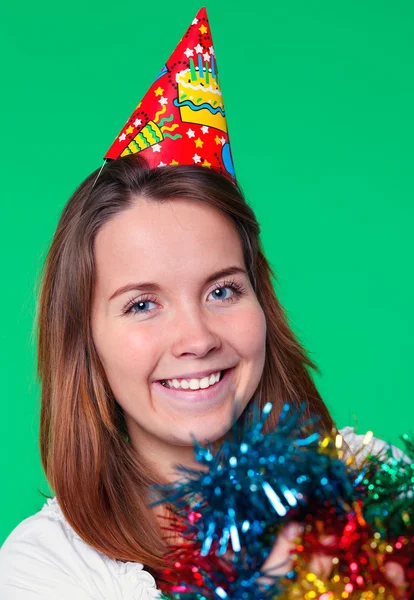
280 560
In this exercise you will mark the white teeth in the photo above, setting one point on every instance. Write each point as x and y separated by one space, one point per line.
194 384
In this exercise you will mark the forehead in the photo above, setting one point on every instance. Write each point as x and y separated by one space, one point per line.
176 237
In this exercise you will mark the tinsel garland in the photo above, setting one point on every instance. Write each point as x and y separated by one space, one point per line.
228 514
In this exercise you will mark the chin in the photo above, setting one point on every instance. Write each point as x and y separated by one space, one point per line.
202 432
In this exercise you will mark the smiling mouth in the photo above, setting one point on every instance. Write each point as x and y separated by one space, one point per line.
165 384
213 395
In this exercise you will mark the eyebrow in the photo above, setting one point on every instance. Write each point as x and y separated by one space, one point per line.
154 287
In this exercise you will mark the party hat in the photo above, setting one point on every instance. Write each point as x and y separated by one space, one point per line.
181 120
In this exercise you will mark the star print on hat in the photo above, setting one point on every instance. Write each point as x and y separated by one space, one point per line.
181 119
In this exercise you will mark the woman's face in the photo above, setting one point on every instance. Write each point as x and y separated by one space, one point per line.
188 323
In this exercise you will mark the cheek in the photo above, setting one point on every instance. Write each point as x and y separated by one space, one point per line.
139 342
128 360
249 330
123 351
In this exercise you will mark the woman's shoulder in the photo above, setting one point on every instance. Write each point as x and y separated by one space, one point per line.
43 557
360 445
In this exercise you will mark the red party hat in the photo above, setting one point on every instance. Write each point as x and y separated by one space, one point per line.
181 119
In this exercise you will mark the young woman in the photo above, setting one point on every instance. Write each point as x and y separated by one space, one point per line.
155 285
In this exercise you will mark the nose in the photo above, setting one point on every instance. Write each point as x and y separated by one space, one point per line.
194 335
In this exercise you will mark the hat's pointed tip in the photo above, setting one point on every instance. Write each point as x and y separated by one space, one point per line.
202 10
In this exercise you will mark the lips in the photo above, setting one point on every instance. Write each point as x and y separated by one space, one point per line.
164 383
199 375
214 394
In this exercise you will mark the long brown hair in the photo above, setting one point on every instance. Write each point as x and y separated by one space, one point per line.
100 481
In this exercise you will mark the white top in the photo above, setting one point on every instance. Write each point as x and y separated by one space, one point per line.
43 558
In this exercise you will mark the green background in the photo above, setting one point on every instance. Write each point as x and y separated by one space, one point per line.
327 164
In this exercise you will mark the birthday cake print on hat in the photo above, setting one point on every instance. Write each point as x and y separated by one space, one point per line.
181 119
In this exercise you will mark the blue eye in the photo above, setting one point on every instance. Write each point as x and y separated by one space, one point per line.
139 304
135 304
222 288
